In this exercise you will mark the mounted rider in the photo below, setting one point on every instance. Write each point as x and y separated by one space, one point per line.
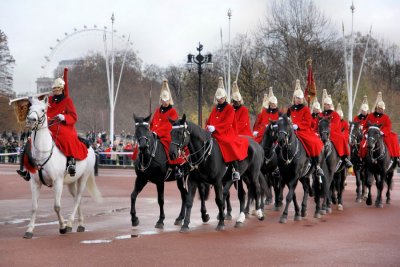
301 120
316 113
161 126
344 125
269 112
61 114
221 123
389 137
241 112
362 114
340 142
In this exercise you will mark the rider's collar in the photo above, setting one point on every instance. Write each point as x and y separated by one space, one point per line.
220 107
297 107
272 110
362 116
327 112
377 114
58 98
165 109
315 114
237 107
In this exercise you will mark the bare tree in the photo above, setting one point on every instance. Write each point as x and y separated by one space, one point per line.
6 64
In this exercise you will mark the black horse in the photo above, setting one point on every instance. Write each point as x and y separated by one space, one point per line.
294 165
378 165
358 164
152 166
335 173
207 161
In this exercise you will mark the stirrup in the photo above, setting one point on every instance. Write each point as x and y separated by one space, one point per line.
319 171
178 174
348 163
24 174
235 176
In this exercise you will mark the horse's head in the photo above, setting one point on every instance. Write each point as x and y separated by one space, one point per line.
324 128
355 135
37 113
374 135
271 131
284 130
180 136
142 131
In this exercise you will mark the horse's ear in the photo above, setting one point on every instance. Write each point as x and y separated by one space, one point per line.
147 119
184 118
46 99
134 117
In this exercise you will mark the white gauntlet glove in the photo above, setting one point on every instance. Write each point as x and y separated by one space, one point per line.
295 127
211 128
255 133
61 117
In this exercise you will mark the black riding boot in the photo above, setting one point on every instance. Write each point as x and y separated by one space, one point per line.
318 169
23 173
96 165
71 166
347 162
235 171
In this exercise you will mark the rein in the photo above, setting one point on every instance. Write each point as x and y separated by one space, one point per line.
288 160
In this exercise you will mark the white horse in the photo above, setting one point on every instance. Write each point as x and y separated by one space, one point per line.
52 163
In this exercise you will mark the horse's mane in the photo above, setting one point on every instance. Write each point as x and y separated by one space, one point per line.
196 130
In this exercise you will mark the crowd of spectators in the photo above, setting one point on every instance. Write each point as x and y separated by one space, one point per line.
12 142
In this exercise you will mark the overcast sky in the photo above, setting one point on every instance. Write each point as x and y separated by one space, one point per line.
163 32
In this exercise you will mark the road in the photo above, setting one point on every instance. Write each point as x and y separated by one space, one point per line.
357 236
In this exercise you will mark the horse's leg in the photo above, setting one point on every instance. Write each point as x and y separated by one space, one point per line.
227 199
139 185
250 196
317 196
183 192
160 199
379 188
241 197
389 181
188 205
255 182
203 192
219 200
35 189
368 183
58 188
79 187
297 216
364 177
306 189
72 188
340 184
278 190
358 183
289 197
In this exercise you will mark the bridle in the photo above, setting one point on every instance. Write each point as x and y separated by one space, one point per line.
287 145
204 151
142 165
374 141
271 153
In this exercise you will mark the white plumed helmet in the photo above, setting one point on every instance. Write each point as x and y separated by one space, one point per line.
339 110
235 93
221 92
364 105
58 83
379 102
165 93
265 103
271 97
297 91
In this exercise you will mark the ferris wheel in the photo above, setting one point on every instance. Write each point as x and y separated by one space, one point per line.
94 38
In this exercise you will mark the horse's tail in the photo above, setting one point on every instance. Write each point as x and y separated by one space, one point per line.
94 191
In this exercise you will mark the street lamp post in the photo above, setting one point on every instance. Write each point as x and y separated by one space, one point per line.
199 60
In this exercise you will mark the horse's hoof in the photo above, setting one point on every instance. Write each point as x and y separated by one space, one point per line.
283 220
317 215
303 213
28 235
322 212
159 225
63 230
247 215
379 205
220 227
388 201
238 224
80 229
228 217
178 222
369 201
184 229
328 210
358 200
261 218
135 221
297 218
340 207
205 218
68 229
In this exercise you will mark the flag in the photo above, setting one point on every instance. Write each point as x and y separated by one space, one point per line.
310 91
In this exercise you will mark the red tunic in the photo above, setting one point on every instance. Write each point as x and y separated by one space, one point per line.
243 121
389 137
64 133
314 121
301 116
344 127
340 142
233 147
262 121
162 127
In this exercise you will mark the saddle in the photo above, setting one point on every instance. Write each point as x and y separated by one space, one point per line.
85 141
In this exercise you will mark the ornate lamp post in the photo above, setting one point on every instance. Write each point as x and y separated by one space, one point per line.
200 61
